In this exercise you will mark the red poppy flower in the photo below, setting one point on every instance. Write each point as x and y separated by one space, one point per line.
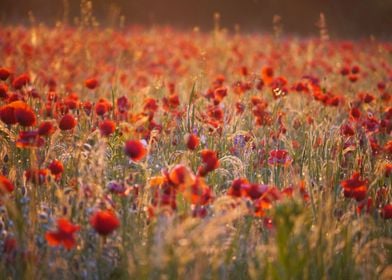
365 206
24 115
123 104
17 112
236 187
67 122
354 187
260 84
261 205
354 181
371 123
199 193
366 97
135 150
253 191
9 245
5 184
215 113
280 157
56 167
150 104
107 127
267 74
29 139
51 83
4 73
386 211
87 107
199 212
102 107
381 86
72 101
355 69
21 81
333 101
3 91
170 103
279 83
61 108
355 113
388 147
347 130
210 162
381 196
388 169
64 235
165 197
181 175
259 105
219 80
46 128
104 222
192 141
37 176
344 71
288 191
7 115
386 97
358 194
91 83
353 78
219 94
239 108
52 96
376 148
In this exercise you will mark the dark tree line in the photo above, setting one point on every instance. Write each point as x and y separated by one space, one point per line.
344 17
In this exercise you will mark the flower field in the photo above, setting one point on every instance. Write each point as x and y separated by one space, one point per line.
156 153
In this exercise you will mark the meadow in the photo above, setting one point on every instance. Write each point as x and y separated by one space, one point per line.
158 153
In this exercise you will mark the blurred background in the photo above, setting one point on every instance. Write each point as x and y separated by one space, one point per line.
345 18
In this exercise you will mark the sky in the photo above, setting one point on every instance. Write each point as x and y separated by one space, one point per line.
345 18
